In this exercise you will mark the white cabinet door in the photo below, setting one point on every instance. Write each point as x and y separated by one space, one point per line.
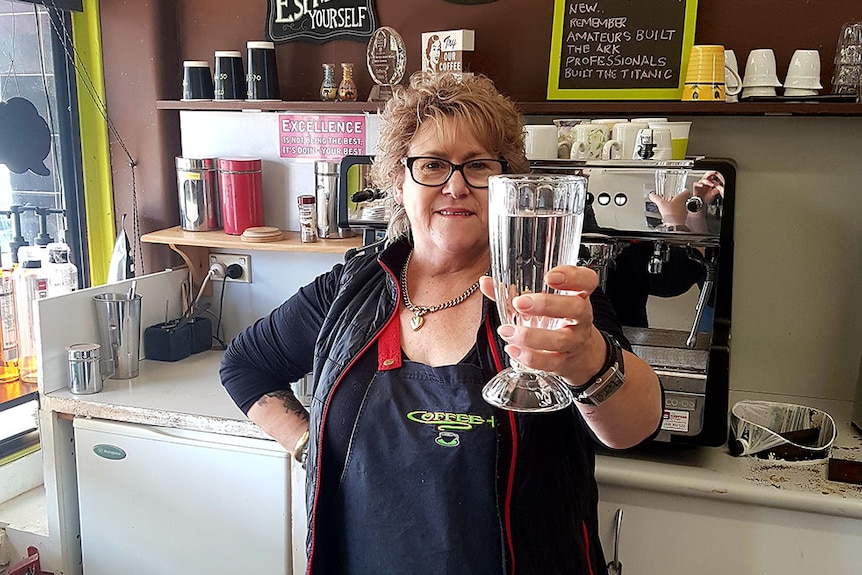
665 534
172 502
298 519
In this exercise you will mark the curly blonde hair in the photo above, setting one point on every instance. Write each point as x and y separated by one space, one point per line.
472 100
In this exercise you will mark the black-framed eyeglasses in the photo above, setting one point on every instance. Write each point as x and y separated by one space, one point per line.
431 171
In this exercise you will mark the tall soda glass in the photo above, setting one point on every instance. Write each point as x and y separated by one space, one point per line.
535 223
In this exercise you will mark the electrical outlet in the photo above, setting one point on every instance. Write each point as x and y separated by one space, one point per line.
243 261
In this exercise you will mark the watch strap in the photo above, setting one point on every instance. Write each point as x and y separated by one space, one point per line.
609 379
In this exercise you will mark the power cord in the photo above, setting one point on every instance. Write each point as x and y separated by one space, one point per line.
233 271
220 310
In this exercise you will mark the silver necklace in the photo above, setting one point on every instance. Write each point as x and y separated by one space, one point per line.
417 321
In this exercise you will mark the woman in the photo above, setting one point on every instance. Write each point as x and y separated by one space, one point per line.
409 470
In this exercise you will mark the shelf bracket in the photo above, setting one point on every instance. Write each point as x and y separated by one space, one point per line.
197 260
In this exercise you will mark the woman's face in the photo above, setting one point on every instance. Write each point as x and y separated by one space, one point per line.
434 52
451 219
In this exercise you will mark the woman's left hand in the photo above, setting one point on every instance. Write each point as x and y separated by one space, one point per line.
575 351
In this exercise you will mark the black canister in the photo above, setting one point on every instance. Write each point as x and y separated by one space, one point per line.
262 77
197 187
229 77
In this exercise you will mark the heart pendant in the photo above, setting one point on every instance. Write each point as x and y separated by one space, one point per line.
416 322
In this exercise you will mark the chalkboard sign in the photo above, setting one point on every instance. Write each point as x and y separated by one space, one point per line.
320 21
620 49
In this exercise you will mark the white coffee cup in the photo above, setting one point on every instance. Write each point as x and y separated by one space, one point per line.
731 80
540 142
760 69
588 141
679 132
653 144
804 70
622 142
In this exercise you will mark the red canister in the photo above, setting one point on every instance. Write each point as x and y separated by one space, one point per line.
241 194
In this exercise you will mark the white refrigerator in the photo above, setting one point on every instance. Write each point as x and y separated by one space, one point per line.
166 501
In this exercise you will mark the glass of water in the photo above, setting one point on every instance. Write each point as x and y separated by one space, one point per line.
535 224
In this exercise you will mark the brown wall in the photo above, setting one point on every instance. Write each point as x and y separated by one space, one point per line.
146 42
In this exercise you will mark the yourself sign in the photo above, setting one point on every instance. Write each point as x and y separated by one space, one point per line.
320 20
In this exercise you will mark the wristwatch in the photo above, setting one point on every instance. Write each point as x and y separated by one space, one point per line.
300 452
608 380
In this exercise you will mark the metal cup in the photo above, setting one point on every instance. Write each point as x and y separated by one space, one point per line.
119 318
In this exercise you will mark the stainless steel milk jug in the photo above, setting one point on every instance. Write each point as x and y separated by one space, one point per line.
326 180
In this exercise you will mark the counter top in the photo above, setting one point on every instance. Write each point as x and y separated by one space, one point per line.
715 474
184 394
188 394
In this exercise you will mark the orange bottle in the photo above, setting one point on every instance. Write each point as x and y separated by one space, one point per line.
8 330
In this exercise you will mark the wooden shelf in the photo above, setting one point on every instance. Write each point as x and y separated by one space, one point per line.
674 108
176 236
270 106
573 108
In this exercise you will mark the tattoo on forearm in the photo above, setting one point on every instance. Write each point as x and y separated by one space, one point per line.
288 399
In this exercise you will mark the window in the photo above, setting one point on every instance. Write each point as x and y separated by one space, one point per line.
39 204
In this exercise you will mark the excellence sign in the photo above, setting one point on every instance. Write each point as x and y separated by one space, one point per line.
321 137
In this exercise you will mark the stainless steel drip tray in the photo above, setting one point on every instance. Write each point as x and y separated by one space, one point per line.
666 349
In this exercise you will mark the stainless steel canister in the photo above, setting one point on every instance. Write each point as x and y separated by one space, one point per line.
197 186
326 191
85 368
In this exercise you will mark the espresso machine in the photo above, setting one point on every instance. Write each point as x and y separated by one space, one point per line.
667 266
361 206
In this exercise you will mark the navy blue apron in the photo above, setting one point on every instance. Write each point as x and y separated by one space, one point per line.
418 490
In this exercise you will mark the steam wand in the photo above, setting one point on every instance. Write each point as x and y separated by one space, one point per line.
701 303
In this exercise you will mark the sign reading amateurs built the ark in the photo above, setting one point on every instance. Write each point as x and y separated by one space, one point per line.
320 20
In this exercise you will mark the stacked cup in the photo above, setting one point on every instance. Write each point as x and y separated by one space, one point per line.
731 76
803 74
706 73
848 60
760 76
565 135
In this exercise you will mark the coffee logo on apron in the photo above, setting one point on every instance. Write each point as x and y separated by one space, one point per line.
447 423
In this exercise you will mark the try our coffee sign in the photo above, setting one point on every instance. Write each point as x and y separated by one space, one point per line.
620 49
320 20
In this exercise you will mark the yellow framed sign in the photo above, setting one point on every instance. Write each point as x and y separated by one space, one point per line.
620 49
